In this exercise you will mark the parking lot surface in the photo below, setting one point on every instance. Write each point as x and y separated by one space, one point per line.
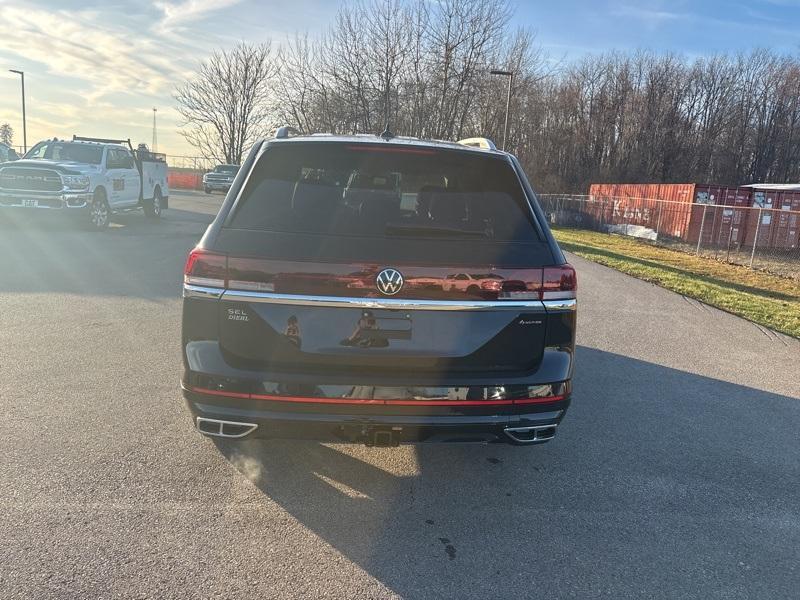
676 473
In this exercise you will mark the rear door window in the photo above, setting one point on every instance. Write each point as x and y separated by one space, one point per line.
385 191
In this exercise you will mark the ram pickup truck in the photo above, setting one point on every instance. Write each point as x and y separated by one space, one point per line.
221 178
92 178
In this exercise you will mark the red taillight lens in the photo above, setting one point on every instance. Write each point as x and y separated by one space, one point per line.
209 269
550 283
559 283
249 274
206 269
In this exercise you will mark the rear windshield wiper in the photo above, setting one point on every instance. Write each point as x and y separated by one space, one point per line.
435 230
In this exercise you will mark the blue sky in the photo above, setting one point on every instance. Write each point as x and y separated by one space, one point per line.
98 67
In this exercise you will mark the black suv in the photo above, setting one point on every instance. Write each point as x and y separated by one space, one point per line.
355 288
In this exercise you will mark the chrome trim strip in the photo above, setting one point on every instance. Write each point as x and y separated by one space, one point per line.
198 291
378 303
566 305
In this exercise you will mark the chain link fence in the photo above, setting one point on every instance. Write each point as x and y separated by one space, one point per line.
190 163
757 237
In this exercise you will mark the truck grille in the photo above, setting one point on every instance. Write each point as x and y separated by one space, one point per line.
29 180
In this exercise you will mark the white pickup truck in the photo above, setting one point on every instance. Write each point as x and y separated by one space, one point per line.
90 177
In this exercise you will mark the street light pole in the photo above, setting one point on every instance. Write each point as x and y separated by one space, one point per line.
510 76
24 126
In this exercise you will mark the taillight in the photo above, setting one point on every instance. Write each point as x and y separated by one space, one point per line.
249 274
559 283
206 269
551 283
209 269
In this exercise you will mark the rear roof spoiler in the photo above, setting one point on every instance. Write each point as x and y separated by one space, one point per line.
78 138
286 131
478 142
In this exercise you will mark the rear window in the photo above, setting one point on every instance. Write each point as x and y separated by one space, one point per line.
385 191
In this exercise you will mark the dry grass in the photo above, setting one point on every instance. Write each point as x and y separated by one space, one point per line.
763 298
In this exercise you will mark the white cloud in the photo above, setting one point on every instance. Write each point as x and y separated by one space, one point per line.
79 45
95 72
651 17
189 10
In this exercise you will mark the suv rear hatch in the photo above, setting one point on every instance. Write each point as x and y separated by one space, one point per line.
317 223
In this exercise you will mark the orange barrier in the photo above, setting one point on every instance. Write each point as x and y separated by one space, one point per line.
187 180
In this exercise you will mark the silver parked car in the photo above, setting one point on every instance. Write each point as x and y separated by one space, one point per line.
220 179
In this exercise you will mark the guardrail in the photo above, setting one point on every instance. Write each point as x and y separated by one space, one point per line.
756 237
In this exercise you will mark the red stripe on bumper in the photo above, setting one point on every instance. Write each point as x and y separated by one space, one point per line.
391 402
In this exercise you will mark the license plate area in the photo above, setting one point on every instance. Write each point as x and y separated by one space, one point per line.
377 329
298 337
30 203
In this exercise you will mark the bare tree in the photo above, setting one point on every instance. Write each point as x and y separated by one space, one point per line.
621 116
225 107
301 98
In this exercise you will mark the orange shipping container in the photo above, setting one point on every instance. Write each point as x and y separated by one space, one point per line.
787 229
680 212
778 225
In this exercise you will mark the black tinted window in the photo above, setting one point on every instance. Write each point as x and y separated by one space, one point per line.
385 191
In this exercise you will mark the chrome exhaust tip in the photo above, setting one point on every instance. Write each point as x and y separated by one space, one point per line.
531 434
225 429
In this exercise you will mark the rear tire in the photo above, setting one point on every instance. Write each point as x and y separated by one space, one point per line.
152 207
99 212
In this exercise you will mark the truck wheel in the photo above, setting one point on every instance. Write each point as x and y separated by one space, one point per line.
99 212
152 208
206 190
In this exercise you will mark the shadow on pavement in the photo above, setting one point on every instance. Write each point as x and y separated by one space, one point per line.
135 257
661 483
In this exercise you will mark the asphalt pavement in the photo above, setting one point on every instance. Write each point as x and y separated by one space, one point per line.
676 473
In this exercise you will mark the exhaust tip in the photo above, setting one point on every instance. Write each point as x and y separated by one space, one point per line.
534 433
225 429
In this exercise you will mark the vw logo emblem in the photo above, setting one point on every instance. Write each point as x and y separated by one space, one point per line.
389 282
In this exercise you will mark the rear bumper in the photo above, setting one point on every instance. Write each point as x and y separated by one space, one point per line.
356 402
374 422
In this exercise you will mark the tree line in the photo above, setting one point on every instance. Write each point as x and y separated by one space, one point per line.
423 68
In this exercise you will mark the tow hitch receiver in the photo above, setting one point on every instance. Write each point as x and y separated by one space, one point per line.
383 437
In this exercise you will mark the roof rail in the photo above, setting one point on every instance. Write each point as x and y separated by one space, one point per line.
78 138
478 142
285 131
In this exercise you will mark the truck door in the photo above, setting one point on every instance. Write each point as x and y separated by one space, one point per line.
133 181
123 178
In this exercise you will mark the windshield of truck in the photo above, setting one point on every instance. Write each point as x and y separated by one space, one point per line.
68 152
227 169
